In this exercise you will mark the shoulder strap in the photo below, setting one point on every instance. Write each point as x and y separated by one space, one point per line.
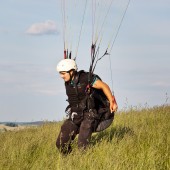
76 78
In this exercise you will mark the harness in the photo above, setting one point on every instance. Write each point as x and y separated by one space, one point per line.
82 98
78 97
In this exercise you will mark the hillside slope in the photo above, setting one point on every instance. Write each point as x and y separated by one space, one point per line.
138 139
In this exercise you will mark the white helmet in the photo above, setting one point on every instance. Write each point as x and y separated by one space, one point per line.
66 65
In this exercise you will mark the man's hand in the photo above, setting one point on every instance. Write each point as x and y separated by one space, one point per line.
113 107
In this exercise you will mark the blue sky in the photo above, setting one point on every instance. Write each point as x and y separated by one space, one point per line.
31 44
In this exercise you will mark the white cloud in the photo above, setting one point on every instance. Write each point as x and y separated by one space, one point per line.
47 27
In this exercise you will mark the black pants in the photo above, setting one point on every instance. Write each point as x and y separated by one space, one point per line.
84 127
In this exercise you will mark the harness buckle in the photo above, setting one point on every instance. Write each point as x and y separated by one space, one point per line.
72 115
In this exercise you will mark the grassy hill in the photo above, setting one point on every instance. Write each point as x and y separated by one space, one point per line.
139 139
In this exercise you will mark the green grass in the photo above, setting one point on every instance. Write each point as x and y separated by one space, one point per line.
138 139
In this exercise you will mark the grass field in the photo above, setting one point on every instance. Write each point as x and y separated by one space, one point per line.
139 139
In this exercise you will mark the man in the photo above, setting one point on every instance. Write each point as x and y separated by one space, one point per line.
86 107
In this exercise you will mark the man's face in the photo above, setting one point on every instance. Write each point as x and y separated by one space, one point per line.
65 76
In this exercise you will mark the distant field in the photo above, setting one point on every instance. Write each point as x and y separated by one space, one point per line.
8 128
139 139
5 126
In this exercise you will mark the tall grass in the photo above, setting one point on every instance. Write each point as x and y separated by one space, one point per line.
139 139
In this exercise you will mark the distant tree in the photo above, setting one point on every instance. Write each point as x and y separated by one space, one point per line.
11 124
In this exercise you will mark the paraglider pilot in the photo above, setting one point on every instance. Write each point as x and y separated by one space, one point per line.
91 106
